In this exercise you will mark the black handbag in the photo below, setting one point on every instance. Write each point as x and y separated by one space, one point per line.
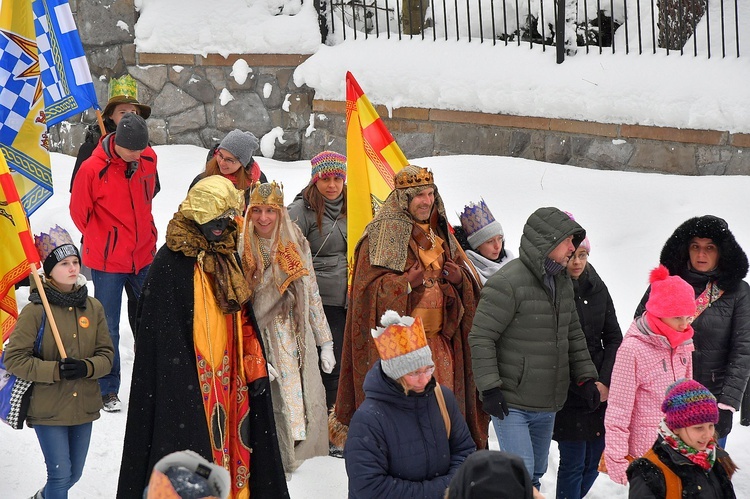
15 393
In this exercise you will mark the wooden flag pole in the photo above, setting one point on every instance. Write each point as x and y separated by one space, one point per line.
50 317
100 120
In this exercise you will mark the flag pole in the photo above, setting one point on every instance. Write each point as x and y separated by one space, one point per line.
100 120
50 317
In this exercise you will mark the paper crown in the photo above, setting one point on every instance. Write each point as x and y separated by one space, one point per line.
187 474
268 194
328 164
57 238
401 344
479 224
413 176
125 85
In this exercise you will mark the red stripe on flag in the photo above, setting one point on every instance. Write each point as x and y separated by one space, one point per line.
11 196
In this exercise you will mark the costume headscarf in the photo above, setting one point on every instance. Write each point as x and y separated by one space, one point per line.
213 197
390 231
283 253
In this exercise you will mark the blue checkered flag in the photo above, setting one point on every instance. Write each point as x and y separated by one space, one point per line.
66 79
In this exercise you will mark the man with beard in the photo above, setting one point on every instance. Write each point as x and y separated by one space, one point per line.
408 261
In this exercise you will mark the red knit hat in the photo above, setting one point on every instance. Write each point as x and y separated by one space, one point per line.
688 403
670 295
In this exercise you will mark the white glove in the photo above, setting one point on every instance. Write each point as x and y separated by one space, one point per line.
272 374
327 359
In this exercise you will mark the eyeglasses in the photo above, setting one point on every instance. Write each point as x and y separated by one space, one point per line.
230 161
418 374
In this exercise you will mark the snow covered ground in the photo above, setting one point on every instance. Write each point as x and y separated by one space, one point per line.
628 217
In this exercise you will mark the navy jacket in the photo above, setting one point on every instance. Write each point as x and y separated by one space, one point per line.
397 445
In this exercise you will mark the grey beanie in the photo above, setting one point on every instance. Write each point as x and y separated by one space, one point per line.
132 133
241 144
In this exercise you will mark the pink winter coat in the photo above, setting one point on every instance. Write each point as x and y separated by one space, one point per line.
644 368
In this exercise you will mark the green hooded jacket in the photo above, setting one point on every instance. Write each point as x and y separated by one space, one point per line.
523 340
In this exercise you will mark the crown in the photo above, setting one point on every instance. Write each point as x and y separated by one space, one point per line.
400 336
413 176
47 243
125 85
269 194
476 216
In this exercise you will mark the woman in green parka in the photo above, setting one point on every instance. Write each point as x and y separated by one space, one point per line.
66 398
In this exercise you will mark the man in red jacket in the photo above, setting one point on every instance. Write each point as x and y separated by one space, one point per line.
111 205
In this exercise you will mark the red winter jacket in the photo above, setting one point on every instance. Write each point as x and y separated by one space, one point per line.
113 212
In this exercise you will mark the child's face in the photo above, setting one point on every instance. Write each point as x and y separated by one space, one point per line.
678 323
697 436
65 272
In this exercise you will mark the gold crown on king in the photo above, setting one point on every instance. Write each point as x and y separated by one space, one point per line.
413 176
269 194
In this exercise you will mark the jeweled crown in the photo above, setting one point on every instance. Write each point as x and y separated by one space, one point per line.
268 194
413 176
475 217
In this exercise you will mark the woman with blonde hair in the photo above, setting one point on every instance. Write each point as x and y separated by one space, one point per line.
278 267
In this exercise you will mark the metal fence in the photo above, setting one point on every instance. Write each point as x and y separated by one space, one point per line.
693 27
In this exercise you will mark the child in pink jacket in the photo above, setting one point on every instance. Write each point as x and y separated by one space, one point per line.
655 352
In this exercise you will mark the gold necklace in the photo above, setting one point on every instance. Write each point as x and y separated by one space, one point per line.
265 253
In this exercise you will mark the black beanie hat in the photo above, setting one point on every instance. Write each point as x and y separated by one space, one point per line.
489 473
132 133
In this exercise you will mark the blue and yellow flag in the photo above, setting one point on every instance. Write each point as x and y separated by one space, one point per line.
66 78
23 126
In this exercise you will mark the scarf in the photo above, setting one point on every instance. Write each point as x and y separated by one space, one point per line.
76 298
703 458
333 208
484 266
215 258
674 337
707 297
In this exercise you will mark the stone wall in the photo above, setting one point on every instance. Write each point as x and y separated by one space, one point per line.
185 93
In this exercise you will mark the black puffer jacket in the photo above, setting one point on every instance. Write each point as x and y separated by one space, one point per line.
603 337
721 360
648 482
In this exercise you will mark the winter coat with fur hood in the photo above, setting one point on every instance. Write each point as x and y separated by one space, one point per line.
721 361
524 339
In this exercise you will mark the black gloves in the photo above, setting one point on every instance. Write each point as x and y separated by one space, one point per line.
724 426
494 403
259 386
590 394
73 368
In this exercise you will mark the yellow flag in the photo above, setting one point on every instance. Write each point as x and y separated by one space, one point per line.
372 159
18 249
23 127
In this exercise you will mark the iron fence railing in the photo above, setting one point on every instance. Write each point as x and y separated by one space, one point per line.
697 27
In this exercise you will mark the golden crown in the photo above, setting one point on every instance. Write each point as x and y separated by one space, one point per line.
269 194
413 176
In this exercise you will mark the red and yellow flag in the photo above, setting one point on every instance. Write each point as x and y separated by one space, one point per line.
18 250
372 159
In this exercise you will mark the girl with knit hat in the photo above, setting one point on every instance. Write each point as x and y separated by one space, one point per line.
66 397
483 240
232 158
408 437
684 461
320 212
655 352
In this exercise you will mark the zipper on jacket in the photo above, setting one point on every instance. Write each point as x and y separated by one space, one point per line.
106 250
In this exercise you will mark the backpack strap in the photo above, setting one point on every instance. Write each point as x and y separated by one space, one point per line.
673 482
443 409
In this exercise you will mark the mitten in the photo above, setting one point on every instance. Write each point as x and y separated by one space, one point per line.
259 386
272 373
73 368
494 404
725 423
327 359
590 394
